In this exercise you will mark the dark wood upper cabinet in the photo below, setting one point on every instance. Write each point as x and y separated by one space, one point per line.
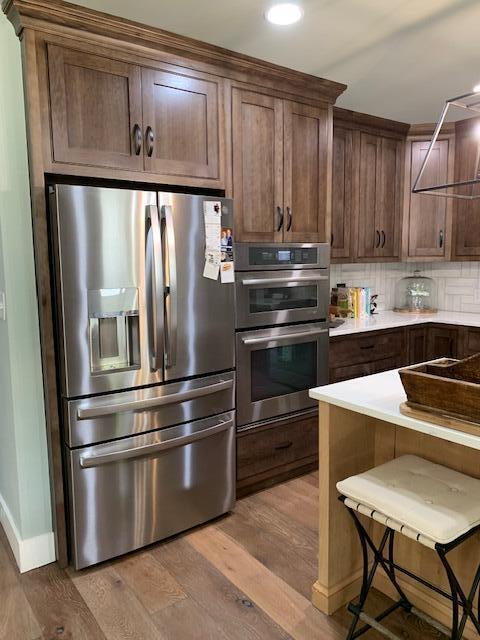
306 136
181 124
96 110
428 217
108 113
466 216
380 197
342 193
257 143
280 168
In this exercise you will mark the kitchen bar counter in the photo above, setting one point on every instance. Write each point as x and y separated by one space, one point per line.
391 319
361 427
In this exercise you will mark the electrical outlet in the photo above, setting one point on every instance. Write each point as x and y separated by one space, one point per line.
3 306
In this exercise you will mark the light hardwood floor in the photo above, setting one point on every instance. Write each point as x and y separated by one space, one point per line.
246 576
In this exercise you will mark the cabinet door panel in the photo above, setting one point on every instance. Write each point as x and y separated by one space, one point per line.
306 131
183 114
342 192
441 342
427 218
257 142
467 212
95 105
389 208
369 196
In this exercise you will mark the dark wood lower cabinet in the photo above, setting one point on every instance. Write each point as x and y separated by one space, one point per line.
276 450
362 354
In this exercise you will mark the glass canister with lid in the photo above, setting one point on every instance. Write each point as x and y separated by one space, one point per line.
416 294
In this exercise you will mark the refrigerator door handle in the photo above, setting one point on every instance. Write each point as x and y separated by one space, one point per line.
90 413
87 461
170 291
155 287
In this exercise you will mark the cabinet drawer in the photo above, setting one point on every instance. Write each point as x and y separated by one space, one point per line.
366 348
279 444
337 374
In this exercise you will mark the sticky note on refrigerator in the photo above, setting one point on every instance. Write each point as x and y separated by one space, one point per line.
227 272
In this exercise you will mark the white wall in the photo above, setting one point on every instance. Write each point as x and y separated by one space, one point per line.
458 282
25 510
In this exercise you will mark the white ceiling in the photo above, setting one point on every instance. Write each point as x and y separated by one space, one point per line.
400 58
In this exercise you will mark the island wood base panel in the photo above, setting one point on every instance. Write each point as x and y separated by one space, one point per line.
351 443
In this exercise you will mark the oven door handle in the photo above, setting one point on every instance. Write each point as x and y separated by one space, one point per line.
87 461
90 413
289 336
257 281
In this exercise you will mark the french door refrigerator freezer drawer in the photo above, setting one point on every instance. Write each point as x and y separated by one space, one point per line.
92 420
136 491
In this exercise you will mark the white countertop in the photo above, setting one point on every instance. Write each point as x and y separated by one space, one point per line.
391 319
379 396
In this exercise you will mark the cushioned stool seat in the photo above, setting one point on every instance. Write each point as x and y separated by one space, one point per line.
437 502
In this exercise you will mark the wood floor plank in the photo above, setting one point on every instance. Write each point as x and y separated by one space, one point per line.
58 606
17 620
271 550
226 604
275 522
153 585
290 501
119 613
187 619
291 610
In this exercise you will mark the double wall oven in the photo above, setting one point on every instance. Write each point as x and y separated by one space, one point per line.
282 298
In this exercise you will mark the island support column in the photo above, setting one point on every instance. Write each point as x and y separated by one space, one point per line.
349 443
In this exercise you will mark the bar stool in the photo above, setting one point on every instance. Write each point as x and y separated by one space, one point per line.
429 503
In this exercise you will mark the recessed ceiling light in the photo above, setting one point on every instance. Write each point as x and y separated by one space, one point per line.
284 13
476 88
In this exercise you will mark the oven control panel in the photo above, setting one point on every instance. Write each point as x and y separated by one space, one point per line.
281 256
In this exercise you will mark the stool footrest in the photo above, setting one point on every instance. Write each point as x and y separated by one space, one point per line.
374 624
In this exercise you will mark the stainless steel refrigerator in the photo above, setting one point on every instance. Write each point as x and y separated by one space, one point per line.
146 359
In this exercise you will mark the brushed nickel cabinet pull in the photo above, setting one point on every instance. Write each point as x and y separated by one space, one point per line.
149 140
441 238
383 238
137 138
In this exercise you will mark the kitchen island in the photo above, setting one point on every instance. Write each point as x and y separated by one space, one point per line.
361 426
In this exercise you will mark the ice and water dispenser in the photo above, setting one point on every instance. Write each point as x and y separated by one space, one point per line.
113 329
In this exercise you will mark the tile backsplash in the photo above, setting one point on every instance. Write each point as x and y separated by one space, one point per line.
458 282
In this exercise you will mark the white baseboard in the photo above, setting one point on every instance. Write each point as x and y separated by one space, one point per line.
29 553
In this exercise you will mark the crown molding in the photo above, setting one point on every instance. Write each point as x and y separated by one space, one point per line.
372 122
32 13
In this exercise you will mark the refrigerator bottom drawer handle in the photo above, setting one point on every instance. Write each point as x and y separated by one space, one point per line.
87 462
89 413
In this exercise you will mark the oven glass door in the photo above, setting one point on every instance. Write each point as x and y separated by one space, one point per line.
277 367
265 298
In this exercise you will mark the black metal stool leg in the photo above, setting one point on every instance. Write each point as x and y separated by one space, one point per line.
457 593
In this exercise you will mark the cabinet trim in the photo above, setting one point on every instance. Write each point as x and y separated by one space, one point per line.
47 13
